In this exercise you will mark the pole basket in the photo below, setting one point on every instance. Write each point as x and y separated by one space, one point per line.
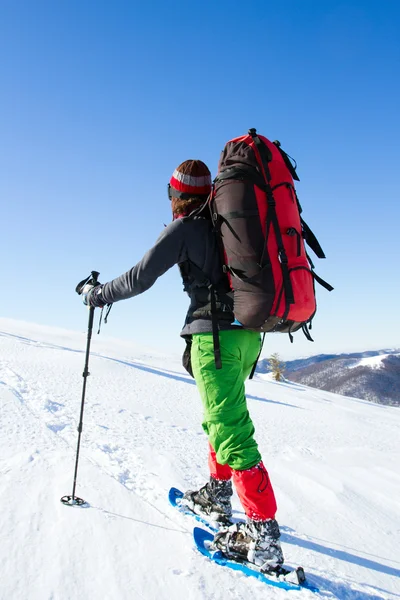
73 501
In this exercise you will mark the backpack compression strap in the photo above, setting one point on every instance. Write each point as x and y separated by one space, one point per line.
287 160
266 156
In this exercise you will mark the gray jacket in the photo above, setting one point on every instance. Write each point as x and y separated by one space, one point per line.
191 243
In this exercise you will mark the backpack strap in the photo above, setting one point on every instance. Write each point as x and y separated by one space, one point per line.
204 280
265 155
308 235
243 173
322 282
214 326
272 218
258 357
288 161
311 240
306 331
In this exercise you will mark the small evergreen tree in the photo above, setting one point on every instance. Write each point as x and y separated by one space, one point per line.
277 366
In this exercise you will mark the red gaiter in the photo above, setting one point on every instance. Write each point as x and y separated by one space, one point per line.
216 470
255 493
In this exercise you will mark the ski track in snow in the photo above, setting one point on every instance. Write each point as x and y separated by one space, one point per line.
337 492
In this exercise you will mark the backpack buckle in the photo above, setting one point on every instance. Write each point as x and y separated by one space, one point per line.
282 257
270 199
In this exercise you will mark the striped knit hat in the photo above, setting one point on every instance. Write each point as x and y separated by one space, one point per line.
191 179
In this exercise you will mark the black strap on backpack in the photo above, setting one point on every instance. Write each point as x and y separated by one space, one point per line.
214 325
308 235
272 218
242 172
253 370
311 240
202 278
288 161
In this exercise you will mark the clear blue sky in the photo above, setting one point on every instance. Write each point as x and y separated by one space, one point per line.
100 101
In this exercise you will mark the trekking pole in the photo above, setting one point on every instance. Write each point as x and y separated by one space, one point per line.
74 500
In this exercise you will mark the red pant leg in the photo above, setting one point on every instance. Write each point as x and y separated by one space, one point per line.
255 493
216 470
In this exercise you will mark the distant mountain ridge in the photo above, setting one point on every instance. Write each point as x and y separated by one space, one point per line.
372 375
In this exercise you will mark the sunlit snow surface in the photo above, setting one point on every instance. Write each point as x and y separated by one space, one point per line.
334 463
374 362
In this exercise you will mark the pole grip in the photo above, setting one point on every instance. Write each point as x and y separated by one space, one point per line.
93 278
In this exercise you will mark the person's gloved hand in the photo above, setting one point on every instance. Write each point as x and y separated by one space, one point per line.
91 295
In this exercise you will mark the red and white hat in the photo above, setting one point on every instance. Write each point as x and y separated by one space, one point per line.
191 178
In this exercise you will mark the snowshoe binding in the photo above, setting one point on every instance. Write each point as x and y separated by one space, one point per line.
254 542
213 501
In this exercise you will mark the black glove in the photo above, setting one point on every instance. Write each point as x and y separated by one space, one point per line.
91 295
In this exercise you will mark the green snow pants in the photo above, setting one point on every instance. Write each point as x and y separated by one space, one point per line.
226 418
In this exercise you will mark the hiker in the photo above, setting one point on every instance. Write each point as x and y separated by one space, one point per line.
190 242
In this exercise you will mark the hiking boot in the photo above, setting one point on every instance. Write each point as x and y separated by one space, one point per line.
256 542
213 500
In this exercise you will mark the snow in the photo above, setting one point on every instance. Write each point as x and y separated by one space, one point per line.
374 362
333 462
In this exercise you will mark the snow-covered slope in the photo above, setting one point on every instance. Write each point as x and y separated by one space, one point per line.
333 461
372 375
354 358
373 362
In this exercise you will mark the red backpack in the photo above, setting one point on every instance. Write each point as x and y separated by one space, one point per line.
256 212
